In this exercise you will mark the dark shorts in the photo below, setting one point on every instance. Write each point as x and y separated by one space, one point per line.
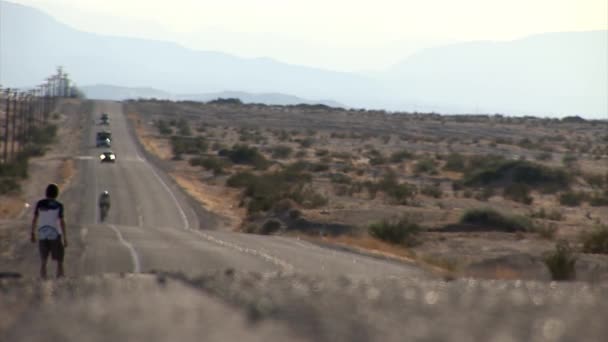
54 247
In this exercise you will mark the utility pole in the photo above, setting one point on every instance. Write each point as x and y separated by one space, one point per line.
14 124
6 121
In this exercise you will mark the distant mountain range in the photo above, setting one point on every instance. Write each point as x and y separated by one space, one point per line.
550 74
109 92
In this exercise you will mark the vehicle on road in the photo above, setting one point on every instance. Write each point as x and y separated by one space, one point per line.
104 122
104 139
105 116
107 157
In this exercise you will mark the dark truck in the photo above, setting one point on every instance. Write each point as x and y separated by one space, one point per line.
104 139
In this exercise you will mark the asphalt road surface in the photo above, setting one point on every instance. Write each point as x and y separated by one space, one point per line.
150 273
151 226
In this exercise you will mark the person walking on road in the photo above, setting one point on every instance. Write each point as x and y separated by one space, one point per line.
49 224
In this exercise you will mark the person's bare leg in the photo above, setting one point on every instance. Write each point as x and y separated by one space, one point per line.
43 269
60 269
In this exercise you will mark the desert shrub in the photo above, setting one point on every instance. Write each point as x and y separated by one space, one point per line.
571 198
306 143
251 135
546 231
524 172
400 231
183 127
553 215
226 101
492 218
210 163
561 262
163 127
342 155
17 168
569 159
245 155
340 178
8 186
544 156
321 153
596 241
455 162
426 165
281 152
265 190
595 180
271 226
400 156
188 145
401 193
432 190
283 135
599 199
43 135
484 194
518 192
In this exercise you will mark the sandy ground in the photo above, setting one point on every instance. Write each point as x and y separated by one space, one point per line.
56 166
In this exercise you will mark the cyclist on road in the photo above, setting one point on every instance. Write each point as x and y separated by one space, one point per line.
104 204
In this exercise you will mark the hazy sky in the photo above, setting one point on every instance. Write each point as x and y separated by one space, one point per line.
347 35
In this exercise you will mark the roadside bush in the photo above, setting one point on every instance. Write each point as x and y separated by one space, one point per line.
340 178
546 231
401 231
188 145
518 192
400 156
599 199
426 165
433 190
544 156
163 127
281 152
569 159
401 193
243 154
492 218
44 135
596 241
455 162
183 128
595 180
271 226
306 143
519 171
209 163
264 191
8 186
553 215
18 168
571 198
561 262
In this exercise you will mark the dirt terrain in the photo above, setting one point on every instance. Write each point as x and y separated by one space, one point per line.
55 166
351 148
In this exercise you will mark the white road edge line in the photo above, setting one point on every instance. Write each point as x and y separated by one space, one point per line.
134 255
179 207
272 259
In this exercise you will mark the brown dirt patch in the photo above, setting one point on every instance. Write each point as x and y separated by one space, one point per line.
151 142
11 206
217 199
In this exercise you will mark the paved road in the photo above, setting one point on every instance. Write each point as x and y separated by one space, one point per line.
151 226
